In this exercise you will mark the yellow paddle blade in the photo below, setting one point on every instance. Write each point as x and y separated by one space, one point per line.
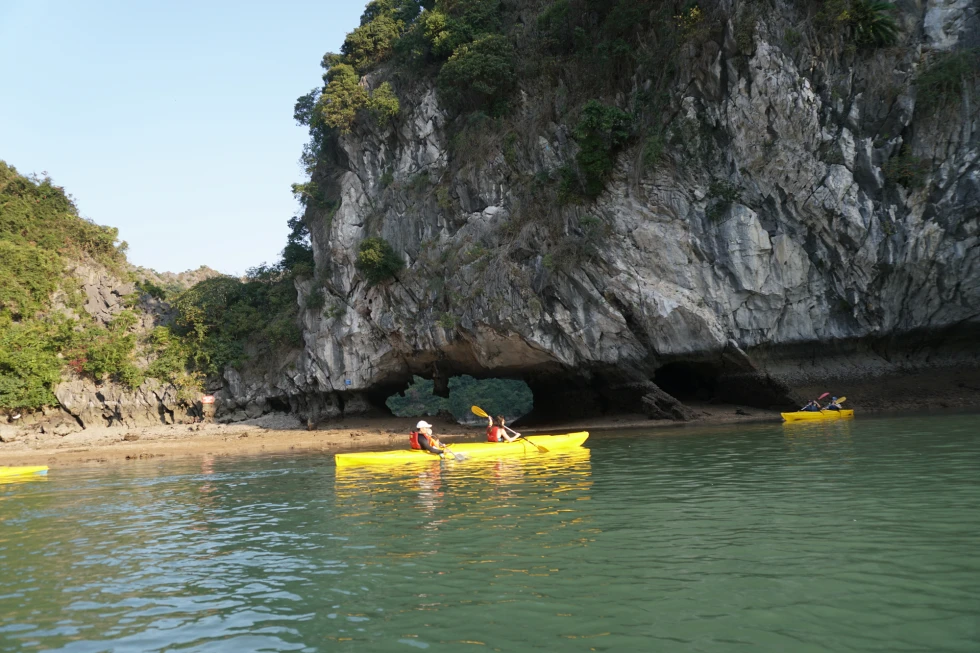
476 410
841 400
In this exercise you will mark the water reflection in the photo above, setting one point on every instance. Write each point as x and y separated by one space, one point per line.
23 478
828 428
752 538
473 478
477 537
820 441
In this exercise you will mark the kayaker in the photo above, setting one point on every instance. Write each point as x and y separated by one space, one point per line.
422 438
496 431
812 407
833 405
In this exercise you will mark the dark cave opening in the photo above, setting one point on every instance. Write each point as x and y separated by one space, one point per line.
688 381
279 404
562 399
570 396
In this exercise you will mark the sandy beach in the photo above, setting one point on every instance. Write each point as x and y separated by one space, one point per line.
279 433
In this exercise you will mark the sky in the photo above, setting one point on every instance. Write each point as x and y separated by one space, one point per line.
170 120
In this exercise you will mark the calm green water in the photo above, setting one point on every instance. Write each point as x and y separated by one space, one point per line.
854 536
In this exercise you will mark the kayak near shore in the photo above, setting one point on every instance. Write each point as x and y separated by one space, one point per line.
804 415
525 446
22 471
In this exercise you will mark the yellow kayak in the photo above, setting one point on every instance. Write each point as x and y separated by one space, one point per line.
803 415
22 471
519 447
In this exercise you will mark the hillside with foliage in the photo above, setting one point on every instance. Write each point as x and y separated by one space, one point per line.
45 333
43 329
226 321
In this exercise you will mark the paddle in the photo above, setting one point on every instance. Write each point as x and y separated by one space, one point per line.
445 449
840 400
457 456
815 401
476 410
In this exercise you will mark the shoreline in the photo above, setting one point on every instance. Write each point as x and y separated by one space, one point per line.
277 434
283 434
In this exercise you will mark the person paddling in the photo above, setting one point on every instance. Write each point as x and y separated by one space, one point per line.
833 405
811 407
423 439
496 431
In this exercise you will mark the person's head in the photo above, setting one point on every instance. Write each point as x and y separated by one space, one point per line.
833 400
424 427
501 420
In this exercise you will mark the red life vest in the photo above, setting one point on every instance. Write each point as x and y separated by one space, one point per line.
495 434
413 439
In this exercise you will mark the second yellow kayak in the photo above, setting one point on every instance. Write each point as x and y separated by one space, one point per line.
519 447
23 471
804 415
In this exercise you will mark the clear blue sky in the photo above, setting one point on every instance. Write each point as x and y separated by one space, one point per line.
171 120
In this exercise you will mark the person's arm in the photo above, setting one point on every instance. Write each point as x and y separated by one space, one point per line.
426 444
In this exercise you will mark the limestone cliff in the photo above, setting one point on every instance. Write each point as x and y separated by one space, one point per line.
83 402
94 404
773 246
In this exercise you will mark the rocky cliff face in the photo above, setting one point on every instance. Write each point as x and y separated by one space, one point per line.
768 250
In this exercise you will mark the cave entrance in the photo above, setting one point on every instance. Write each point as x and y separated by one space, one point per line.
508 397
688 381
279 405
565 398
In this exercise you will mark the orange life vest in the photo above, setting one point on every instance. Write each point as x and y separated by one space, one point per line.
413 439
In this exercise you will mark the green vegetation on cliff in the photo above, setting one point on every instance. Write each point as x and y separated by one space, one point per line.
377 260
40 232
477 53
45 333
226 321
864 23
601 131
43 329
219 319
609 56
943 79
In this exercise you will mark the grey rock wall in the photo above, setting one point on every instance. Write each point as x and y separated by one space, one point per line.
818 252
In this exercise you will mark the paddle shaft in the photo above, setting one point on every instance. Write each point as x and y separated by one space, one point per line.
456 456
840 400
476 410
521 437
